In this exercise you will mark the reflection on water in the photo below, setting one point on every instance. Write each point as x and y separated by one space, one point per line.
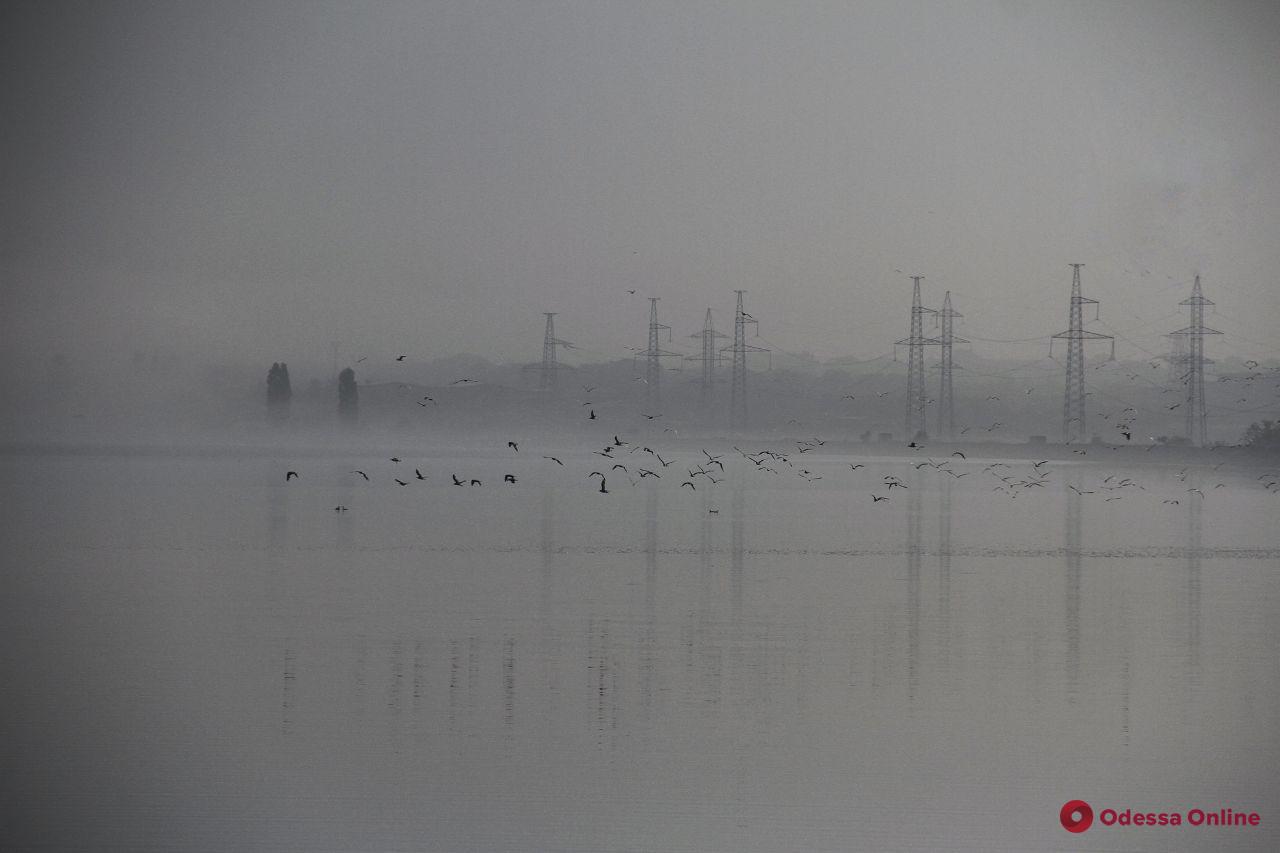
915 498
1195 511
396 677
944 642
1073 541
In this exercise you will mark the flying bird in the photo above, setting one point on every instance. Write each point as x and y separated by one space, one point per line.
419 474
553 459
456 481
289 475
508 478
878 498
513 446
361 473
401 482
400 358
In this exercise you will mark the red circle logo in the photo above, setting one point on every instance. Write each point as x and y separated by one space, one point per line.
1076 816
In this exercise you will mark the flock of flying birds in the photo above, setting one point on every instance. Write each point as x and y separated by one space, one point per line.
634 462
637 462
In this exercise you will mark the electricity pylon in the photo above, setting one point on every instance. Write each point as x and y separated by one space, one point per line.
1073 410
915 342
738 387
654 355
946 401
1197 426
709 358
550 378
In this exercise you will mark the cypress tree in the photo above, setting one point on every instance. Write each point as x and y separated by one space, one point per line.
348 396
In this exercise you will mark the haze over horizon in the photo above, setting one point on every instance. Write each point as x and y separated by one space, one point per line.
254 182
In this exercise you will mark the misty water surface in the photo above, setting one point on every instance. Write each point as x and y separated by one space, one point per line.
201 656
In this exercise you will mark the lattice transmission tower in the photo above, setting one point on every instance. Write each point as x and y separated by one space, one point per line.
738 386
549 377
946 400
710 359
1197 426
917 399
653 358
1073 408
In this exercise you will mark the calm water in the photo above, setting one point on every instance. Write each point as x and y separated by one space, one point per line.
200 656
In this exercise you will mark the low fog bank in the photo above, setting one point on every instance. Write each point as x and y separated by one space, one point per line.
158 398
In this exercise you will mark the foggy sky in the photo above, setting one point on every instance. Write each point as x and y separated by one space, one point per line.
259 180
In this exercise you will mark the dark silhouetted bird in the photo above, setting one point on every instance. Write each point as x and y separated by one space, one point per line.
401 482
361 473
400 358
878 498
289 475
419 474
513 446
553 459
456 481
508 478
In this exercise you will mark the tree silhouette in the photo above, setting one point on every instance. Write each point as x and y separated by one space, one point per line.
348 396
278 391
1263 436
